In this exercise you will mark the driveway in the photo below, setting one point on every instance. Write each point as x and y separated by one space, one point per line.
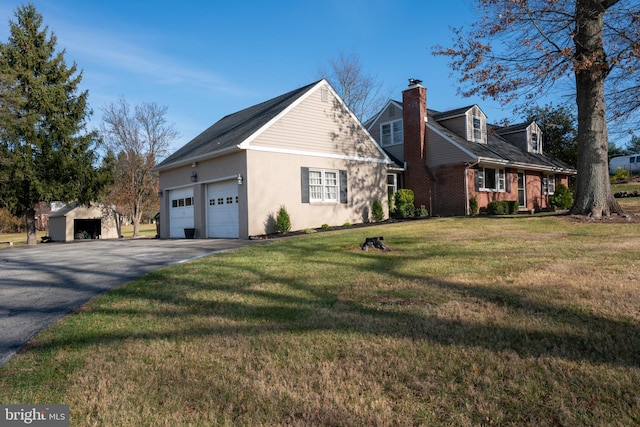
39 285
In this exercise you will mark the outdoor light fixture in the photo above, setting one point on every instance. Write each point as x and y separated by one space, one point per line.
159 193
240 179
194 177
194 164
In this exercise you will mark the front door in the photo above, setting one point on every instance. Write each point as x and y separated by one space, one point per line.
522 190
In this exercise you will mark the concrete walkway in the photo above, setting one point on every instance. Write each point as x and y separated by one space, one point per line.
39 285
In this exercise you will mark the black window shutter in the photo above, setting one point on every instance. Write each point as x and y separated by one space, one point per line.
304 173
343 187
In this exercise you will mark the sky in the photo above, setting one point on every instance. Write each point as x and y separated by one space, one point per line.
205 59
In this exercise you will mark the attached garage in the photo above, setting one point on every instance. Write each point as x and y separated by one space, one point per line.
222 210
180 212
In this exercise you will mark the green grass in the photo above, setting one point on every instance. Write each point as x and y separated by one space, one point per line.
466 321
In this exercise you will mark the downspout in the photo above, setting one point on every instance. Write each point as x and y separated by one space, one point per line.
466 185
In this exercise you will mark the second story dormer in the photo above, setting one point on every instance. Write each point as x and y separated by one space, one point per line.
469 123
526 136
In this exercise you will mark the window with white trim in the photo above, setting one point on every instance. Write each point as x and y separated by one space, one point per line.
491 179
324 185
477 128
391 133
548 184
535 142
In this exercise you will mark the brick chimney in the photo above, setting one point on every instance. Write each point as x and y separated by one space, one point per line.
414 116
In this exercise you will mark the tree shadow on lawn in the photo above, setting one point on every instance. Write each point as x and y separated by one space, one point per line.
554 331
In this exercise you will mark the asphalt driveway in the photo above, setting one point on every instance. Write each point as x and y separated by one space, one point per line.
39 285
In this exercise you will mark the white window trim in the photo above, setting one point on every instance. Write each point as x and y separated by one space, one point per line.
500 180
393 140
482 127
324 187
548 184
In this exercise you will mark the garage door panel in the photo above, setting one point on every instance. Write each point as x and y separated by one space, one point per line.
222 210
180 212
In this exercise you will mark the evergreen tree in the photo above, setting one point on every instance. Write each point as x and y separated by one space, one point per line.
49 155
559 132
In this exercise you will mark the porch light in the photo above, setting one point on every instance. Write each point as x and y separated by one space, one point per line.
194 177
160 194
240 179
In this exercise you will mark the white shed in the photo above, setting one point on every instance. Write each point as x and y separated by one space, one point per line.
74 222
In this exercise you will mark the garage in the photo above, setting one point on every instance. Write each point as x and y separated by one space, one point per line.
222 210
180 212
75 222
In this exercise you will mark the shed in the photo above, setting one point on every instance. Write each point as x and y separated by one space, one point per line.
75 222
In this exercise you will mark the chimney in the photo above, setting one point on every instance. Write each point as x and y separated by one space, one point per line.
414 117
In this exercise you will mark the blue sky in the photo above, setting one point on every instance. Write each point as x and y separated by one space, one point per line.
206 59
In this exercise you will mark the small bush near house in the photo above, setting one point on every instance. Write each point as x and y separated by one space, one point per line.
346 224
283 221
473 205
562 197
325 226
502 207
404 203
376 211
422 212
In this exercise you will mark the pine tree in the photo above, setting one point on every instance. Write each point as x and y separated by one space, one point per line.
48 153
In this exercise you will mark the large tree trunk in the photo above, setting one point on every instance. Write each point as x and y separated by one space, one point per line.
30 221
593 192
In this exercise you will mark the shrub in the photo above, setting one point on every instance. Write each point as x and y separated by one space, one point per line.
502 207
562 197
283 221
422 211
404 203
473 205
620 175
346 224
324 226
376 211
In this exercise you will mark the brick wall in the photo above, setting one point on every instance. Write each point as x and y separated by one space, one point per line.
449 191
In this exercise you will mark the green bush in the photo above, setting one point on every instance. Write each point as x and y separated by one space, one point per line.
502 207
376 211
562 197
621 175
346 224
283 221
473 205
325 226
422 212
404 203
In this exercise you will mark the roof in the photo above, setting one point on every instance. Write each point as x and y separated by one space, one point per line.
230 131
497 149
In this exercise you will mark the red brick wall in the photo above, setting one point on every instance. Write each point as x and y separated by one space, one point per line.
450 197
417 176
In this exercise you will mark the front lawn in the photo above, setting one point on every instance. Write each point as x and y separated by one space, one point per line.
466 321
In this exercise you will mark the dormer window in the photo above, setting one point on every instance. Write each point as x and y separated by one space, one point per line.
477 128
391 133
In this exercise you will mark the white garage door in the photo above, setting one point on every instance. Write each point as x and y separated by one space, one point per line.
222 210
180 211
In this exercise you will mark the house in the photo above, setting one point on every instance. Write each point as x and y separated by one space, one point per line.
303 150
449 157
75 221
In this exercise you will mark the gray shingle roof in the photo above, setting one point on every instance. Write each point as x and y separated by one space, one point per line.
233 129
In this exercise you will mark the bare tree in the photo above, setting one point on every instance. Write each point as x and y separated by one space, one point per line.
137 138
520 50
361 92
